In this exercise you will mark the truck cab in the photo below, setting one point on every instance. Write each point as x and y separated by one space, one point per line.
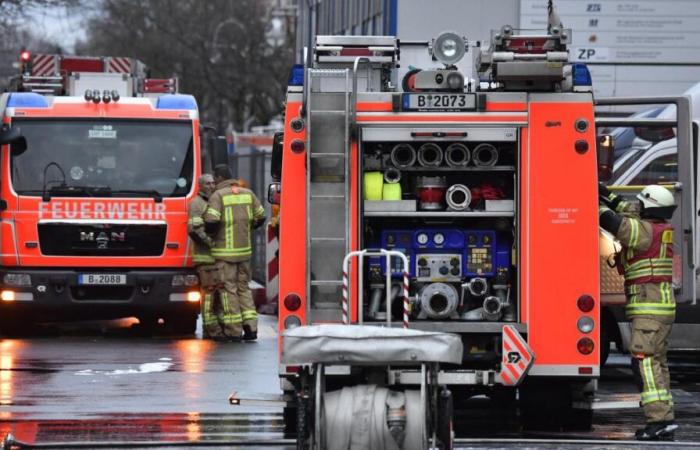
96 175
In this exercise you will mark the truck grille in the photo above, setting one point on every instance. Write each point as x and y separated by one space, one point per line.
63 239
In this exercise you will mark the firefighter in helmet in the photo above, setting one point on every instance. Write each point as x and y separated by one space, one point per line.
232 213
201 254
646 261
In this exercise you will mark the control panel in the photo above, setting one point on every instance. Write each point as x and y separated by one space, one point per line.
439 267
481 248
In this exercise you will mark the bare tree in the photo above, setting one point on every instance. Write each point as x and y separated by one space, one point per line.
218 49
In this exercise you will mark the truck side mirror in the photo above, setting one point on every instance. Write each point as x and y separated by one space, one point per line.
220 151
276 160
274 192
606 157
14 137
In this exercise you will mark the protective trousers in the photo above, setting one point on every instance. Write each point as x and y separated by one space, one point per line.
238 308
210 320
648 347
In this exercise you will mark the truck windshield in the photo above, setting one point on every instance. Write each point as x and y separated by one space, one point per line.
75 157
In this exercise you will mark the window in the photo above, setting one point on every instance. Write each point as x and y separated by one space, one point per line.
661 170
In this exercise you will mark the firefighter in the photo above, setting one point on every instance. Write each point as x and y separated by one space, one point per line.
232 213
646 261
201 255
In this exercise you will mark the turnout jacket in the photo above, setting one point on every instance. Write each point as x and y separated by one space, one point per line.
646 260
201 250
232 213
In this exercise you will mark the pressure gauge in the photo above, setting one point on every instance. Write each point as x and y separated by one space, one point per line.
439 238
422 238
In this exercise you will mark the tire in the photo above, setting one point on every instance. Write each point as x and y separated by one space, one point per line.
548 406
605 341
185 323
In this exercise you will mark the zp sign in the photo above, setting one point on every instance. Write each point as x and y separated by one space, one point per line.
590 54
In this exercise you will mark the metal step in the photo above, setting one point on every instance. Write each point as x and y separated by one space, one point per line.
326 155
326 282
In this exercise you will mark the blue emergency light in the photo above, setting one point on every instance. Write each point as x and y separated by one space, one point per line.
27 100
296 75
580 75
176 101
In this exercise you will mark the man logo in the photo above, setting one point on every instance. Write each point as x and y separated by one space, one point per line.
103 238
87 236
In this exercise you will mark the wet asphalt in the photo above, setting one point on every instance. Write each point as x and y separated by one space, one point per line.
110 383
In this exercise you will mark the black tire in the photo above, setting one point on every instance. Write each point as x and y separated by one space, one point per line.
15 325
548 406
185 323
605 341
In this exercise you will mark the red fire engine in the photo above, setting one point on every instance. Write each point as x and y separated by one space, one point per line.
413 196
100 166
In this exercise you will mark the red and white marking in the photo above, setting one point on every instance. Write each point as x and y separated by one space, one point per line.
272 273
119 65
44 65
517 357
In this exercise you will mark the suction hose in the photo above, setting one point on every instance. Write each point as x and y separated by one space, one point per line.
430 155
403 155
457 155
485 155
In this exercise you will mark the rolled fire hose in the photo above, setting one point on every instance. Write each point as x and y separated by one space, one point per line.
430 155
403 155
391 191
392 175
458 197
485 155
373 185
457 155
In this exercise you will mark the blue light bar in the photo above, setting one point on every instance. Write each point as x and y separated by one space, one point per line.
580 74
296 75
27 100
176 101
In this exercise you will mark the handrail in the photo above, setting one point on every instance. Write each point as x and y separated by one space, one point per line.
346 289
355 66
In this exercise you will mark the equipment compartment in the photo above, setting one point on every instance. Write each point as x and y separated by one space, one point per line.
450 207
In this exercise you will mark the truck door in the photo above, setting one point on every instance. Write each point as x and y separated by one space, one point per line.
660 164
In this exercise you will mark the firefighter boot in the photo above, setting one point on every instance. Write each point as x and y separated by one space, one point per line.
657 431
248 334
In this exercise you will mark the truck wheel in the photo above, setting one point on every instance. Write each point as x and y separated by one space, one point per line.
548 406
185 323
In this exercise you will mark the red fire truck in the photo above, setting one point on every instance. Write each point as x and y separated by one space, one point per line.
100 165
415 196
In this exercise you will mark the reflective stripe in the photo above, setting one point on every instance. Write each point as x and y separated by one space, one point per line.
652 309
196 221
237 199
634 234
228 233
213 212
260 211
250 314
621 206
226 252
232 319
202 258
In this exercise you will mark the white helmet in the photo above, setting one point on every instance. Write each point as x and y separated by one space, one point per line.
655 196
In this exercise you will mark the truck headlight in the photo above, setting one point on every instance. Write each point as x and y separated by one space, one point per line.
191 280
178 280
17 279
